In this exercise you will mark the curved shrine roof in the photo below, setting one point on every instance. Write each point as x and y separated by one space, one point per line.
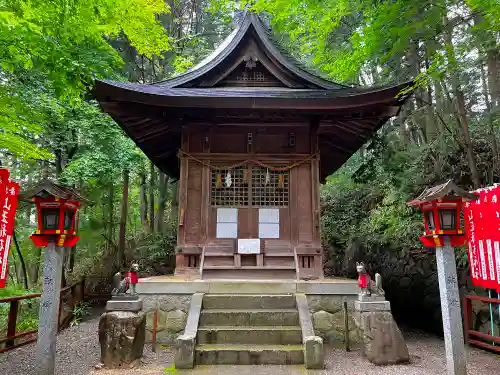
217 89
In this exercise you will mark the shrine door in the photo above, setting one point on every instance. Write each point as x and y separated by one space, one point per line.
251 202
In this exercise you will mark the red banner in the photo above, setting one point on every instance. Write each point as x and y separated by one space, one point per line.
9 191
482 223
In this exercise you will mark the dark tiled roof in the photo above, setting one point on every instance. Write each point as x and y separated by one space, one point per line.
249 21
248 92
152 115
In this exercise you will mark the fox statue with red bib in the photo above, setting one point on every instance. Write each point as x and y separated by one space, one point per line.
129 282
365 282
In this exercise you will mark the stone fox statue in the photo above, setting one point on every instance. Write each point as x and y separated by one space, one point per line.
131 278
365 282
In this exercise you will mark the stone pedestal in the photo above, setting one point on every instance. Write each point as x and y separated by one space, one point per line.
49 310
124 303
122 332
456 359
383 343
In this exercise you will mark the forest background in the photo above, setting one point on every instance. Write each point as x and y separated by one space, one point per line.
50 125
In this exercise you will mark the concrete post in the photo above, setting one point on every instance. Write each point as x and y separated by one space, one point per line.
456 359
48 317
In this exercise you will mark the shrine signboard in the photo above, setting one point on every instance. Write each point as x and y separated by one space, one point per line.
9 192
482 223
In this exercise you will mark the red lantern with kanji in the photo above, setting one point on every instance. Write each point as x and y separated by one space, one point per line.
57 209
441 206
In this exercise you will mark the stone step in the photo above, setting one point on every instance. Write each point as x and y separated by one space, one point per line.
252 268
249 301
253 273
249 317
277 335
249 354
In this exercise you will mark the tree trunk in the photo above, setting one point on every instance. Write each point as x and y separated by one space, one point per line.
162 202
35 267
21 259
144 201
418 116
460 105
493 140
174 209
492 61
123 221
111 215
152 185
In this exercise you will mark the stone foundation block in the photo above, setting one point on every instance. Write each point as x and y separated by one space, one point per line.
314 354
121 336
383 342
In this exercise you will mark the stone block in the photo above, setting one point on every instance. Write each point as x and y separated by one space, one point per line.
175 321
163 337
166 302
341 288
372 298
314 354
160 324
323 321
124 304
383 343
332 304
331 327
121 336
249 354
154 287
252 287
372 306
280 335
184 354
248 301
249 317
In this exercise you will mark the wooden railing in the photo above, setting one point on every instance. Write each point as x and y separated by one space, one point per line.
476 338
74 294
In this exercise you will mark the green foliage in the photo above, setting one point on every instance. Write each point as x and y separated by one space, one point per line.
27 317
63 45
79 313
170 370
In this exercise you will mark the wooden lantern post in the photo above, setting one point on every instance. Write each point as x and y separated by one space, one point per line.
57 207
441 206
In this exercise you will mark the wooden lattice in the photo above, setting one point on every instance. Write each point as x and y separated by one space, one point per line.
251 76
255 76
260 186
269 188
230 196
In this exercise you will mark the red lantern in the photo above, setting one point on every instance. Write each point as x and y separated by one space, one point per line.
57 208
441 206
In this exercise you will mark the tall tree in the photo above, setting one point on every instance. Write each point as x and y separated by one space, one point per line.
123 220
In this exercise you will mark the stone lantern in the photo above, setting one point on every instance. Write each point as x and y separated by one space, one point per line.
441 206
57 207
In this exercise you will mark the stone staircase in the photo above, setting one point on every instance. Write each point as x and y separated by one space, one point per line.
222 261
249 330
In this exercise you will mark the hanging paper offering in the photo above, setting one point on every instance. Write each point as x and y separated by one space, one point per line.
228 179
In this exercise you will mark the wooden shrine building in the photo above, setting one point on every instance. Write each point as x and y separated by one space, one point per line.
250 135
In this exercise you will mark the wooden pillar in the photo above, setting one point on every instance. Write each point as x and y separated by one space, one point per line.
182 191
12 321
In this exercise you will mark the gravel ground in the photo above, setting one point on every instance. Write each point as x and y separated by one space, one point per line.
78 353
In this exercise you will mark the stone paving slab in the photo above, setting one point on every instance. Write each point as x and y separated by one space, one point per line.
78 353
